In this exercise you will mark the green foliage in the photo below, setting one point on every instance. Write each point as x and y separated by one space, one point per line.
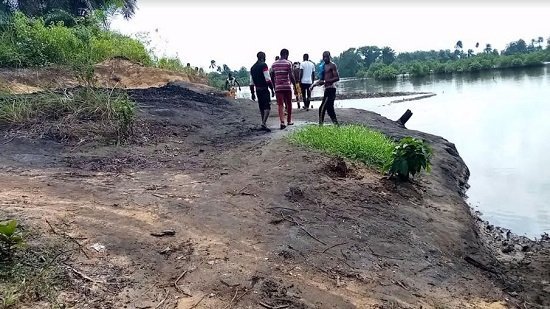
348 62
382 71
355 142
419 69
409 157
27 42
11 239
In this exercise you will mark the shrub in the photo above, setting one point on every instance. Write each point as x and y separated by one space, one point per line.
418 69
10 239
355 142
409 157
475 66
383 72
33 42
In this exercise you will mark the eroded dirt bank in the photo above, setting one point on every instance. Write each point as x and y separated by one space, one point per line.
258 222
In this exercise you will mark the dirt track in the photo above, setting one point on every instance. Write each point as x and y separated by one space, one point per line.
257 222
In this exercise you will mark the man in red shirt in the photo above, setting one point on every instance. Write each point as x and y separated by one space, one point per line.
284 81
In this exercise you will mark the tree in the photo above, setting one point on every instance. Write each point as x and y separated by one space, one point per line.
488 48
348 62
369 54
458 44
458 49
477 45
212 64
226 69
516 47
540 40
388 55
470 52
75 7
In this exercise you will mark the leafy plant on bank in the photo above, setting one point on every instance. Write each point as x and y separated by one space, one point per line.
409 157
11 239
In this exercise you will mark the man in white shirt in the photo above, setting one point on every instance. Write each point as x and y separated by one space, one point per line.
307 77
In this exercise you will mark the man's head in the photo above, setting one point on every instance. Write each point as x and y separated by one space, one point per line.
284 53
326 57
261 56
296 65
306 57
277 58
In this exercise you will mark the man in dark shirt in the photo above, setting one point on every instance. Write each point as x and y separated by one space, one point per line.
260 82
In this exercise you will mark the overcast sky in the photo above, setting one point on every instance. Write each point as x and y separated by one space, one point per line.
232 32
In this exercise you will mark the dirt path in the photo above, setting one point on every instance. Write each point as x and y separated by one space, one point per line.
257 222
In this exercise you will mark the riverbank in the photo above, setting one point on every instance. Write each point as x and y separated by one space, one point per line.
255 219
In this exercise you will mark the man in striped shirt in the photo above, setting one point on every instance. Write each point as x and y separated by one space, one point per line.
284 81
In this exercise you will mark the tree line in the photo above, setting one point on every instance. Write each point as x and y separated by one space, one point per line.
385 63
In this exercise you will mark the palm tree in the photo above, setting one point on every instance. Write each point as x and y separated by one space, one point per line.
488 48
477 44
212 64
470 52
458 44
77 7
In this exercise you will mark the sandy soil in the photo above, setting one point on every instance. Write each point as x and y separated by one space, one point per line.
116 72
258 223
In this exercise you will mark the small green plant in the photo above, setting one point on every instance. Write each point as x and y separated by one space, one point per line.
409 157
10 239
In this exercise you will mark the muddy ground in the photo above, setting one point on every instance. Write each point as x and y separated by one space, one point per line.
257 222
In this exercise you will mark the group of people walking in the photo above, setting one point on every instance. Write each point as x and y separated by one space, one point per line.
284 77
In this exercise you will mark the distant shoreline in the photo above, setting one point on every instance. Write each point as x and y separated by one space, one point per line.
370 95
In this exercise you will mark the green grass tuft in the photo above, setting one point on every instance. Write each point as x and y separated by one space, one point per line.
354 142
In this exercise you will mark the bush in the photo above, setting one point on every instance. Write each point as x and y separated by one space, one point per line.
475 66
355 142
30 42
383 72
419 69
10 239
409 157
534 59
